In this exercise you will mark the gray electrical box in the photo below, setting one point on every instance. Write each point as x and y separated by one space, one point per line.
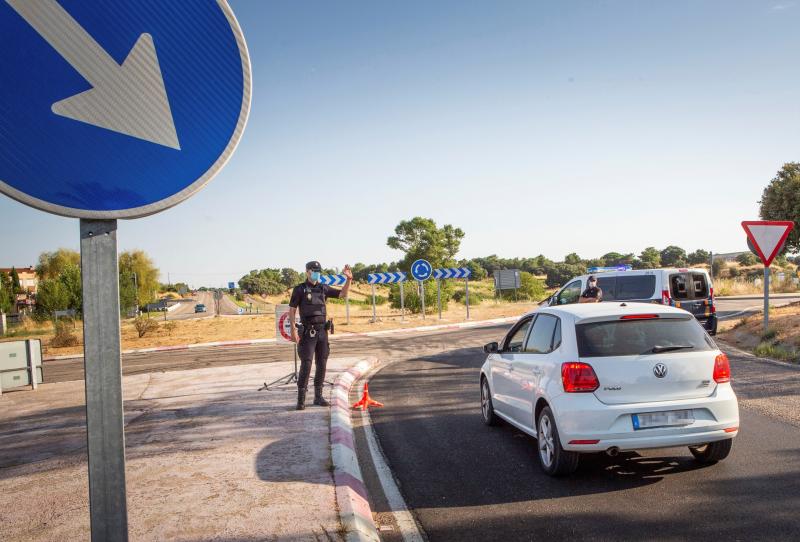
506 279
16 359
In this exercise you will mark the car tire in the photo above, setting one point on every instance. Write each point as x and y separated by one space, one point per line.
713 451
487 408
554 460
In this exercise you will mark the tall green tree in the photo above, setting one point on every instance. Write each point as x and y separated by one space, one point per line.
138 263
650 258
781 201
673 256
51 264
421 238
699 256
7 297
572 259
15 285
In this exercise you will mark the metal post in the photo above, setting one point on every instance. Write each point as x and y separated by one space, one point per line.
103 370
466 295
422 296
711 262
374 317
347 308
402 303
766 298
31 364
136 289
439 296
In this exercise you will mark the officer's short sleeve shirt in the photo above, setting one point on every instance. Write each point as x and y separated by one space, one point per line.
297 294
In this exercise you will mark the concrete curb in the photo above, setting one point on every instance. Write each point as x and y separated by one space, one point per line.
351 492
248 342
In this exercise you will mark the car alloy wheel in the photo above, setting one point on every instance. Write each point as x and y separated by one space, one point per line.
545 441
485 400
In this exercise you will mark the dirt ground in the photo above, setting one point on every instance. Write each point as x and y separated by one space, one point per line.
748 332
247 327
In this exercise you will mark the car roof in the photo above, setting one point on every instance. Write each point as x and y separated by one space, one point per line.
581 311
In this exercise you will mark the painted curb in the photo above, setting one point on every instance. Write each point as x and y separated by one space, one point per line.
249 342
351 492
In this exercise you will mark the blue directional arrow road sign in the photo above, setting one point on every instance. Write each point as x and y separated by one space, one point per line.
113 109
452 273
421 270
333 280
231 285
386 278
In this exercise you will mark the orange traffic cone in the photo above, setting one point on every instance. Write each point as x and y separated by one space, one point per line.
366 401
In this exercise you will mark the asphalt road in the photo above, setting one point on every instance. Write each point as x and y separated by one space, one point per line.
465 481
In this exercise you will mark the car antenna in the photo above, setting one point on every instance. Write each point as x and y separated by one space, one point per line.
623 305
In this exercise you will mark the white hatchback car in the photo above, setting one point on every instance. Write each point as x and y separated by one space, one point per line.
611 377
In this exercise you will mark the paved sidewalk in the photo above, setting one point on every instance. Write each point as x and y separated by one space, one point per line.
208 458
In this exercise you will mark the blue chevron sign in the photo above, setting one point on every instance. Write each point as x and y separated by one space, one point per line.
386 278
333 280
452 273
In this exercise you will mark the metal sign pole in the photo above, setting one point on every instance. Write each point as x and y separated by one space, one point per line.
347 308
422 297
402 303
466 295
103 369
439 296
766 298
374 317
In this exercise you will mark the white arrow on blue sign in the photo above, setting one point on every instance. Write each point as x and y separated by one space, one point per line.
452 273
386 278
118 109
332 280
421 270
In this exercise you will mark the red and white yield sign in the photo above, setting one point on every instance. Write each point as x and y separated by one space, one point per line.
768 237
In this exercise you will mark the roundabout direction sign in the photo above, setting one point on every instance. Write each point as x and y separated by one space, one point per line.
421 270
115 110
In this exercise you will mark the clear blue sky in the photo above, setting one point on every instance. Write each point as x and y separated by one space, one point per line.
537 127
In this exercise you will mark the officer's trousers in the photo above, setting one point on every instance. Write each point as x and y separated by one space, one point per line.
308 349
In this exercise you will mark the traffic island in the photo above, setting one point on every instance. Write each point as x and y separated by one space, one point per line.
208 457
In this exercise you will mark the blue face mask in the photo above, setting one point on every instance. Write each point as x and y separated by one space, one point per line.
315 276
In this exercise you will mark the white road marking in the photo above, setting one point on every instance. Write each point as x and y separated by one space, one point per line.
397 505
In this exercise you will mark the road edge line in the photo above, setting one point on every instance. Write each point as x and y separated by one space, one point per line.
354 510
406 523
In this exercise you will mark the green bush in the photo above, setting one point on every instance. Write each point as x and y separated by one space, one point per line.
530 289
412 297
459 296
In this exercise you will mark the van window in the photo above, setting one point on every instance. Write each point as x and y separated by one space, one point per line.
570 293
700 285
679 287
609 287
636 287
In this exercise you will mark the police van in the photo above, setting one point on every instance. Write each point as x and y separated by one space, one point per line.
687 289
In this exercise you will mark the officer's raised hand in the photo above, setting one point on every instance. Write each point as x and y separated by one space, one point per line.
348 273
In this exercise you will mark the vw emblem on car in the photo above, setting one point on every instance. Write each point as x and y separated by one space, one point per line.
660 370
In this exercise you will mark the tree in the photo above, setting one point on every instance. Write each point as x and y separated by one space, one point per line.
572 259
699 256
650 257
781 201
138 263
7 298
746 259
718 267
421 238
613 258
15 284
558 274
673 256
290 277
51 264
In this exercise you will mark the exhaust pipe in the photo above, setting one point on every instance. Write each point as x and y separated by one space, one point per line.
613 451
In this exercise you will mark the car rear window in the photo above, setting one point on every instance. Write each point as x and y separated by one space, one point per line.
636 287
689 286
700 285
638 337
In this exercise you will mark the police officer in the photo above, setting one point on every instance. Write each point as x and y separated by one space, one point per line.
312 337
593 293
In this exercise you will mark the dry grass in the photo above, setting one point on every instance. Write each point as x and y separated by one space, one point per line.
780 341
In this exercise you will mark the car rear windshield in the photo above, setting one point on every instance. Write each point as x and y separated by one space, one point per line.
639 337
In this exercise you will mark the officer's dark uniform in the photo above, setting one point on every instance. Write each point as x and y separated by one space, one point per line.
309 299
593 292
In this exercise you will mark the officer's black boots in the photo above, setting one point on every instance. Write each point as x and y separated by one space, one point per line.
301 399
319 400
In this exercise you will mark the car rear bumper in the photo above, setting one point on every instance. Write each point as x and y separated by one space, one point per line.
582 417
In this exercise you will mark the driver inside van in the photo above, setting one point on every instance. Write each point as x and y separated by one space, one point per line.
593 293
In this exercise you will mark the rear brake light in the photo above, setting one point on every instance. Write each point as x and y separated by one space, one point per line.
578 377
722 369
731 429
639 317
711 294
666 299
587 441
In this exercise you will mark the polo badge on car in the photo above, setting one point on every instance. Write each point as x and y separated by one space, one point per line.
660 370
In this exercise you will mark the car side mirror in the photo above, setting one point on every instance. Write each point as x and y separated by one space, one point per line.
491 348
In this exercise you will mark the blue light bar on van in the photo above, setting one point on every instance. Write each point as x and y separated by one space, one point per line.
624 267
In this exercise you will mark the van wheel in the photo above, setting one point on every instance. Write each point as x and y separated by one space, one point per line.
487 409
554 460
713 451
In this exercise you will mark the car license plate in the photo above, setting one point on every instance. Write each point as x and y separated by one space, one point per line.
647 420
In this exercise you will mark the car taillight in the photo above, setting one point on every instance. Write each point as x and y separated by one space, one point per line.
666 299
713 307
639 317
578 377
722 369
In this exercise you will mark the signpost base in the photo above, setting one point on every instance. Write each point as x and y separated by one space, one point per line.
291 378
103 369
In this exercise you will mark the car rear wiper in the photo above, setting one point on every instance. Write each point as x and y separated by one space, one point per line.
659 349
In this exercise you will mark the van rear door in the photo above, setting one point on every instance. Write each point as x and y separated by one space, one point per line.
691 292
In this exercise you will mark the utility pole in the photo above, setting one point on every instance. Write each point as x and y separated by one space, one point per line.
136 288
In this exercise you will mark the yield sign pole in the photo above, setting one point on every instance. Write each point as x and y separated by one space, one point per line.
768 238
